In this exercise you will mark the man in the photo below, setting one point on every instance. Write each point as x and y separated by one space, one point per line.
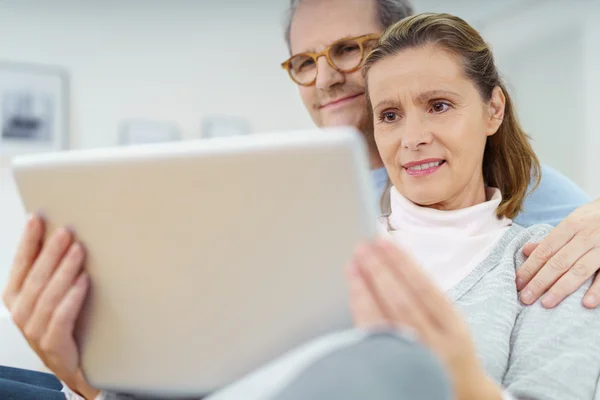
332 89
334 95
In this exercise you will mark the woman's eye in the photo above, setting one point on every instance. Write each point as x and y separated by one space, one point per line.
440 107
389 116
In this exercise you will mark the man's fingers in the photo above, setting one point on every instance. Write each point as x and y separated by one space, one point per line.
27 251
592 296
40 273
528 249
55 291
564 262
556 240
366 312
573 279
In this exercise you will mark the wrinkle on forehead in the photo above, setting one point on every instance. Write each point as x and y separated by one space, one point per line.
413 71
318 23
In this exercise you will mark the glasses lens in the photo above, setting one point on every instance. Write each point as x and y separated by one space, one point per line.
346 55
303 69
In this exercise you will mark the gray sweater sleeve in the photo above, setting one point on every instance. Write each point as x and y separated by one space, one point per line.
550 343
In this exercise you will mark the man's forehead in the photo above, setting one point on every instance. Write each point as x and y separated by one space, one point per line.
318 23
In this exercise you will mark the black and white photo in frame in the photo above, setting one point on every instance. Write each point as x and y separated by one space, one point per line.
33 109
215 126
139 131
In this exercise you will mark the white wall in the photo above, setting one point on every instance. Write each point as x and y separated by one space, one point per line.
549 98
548 51
591 104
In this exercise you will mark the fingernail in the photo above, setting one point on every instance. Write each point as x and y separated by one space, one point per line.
77 252
549 300
520 283
30 219
62 234
590 301
40 214
526 296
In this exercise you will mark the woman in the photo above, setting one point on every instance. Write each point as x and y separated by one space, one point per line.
459 164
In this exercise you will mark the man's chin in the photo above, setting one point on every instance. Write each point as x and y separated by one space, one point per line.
333 121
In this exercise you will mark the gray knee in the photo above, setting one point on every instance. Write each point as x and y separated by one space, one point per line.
382 366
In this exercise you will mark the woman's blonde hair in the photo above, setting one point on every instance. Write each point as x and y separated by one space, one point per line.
509 162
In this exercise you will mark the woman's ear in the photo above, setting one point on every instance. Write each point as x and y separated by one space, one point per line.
496 110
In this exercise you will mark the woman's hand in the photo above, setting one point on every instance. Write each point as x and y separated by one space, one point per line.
388 288
564 260
44 295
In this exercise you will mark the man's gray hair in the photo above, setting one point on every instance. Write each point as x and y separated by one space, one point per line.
388 12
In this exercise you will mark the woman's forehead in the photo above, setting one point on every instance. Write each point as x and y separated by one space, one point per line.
417 66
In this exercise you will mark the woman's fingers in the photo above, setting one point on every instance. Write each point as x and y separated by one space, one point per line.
39 275
45 294
28 250
425 297
58 344
366 311
55 291
397 301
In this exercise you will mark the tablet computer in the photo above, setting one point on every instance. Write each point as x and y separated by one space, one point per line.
208 258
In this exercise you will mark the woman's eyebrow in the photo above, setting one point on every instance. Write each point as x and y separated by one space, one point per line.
387 103
426 96
422 97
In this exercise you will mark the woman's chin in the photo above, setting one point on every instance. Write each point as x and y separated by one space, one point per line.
424 198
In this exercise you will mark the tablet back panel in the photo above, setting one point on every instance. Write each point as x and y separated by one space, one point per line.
208 258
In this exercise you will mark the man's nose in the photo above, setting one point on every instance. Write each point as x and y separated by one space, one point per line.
327 76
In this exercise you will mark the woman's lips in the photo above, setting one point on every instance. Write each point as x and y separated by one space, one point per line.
424 167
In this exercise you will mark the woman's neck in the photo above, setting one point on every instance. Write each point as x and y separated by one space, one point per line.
447 244
471 219
471 195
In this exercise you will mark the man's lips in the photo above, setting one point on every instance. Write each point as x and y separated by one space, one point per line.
340 100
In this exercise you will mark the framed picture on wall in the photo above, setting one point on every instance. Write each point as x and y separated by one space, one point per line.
223 126
33 109
134 132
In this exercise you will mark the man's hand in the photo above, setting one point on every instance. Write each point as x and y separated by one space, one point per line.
564 261
44 295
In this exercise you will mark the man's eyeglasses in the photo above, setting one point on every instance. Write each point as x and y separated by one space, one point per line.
345 55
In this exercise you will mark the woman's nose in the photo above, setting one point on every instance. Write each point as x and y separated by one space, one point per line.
417 134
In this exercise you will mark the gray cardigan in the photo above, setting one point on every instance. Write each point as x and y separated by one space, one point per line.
532 352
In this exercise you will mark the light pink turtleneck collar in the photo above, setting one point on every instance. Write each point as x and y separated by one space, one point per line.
448 244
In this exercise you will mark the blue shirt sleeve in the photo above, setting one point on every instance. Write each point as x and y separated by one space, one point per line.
553 200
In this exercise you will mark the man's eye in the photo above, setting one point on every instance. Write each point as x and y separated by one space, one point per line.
306 64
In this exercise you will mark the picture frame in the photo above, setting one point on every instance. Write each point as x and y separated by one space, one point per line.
138 131
34 111
224 126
